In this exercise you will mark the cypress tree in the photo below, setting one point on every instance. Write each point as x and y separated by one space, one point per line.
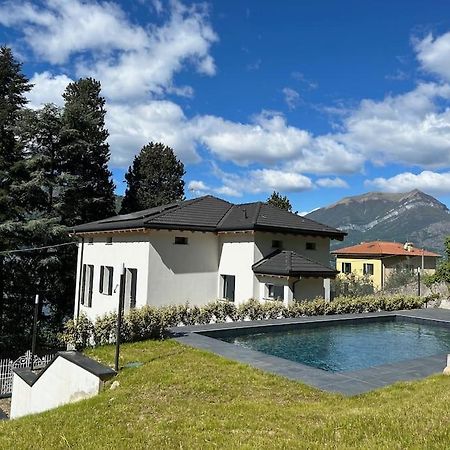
89 195
155 178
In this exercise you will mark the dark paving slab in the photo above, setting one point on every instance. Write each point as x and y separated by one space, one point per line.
347 383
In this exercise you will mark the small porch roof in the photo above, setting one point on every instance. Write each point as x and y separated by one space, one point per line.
290 264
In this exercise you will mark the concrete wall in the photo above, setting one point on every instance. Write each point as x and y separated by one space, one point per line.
179 273
63 382
237 253
127 248
309 288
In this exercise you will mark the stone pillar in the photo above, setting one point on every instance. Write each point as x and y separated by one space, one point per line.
288 294
327 289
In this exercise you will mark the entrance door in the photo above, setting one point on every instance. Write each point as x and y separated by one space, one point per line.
130 289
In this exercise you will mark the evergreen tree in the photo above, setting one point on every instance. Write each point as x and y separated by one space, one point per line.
89 194
155 178
280 201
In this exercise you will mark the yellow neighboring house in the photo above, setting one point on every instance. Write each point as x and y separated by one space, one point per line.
379 259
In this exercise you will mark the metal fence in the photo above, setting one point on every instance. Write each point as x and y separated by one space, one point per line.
7 365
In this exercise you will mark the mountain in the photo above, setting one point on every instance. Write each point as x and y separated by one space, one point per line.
413 216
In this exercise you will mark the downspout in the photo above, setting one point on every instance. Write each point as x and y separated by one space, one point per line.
80 276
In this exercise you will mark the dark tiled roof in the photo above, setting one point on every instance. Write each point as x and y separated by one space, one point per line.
209 213
289 263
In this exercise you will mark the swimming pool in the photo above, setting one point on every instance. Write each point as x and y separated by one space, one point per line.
344 347
348 353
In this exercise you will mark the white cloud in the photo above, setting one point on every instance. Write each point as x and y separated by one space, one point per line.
433 54
47 88
332 183
130 60
132 126
267 139
411 128
291 97
427 181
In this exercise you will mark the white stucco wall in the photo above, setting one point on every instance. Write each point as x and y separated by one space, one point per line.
181 273
63 382
309 288
127 248
237 255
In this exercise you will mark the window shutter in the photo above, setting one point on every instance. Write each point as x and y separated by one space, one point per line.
91 283
102 275
110 280
133 288
83 284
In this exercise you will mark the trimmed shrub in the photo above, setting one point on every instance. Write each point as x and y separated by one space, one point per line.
151 322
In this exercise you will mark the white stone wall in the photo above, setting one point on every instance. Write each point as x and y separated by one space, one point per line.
127 248
63 382
181 273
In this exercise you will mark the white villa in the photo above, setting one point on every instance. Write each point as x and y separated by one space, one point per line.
201 250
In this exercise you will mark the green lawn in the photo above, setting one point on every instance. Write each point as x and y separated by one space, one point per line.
188 399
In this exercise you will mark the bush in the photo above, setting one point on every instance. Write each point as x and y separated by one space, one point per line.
151 322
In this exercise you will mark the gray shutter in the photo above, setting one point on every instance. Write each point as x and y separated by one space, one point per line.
102 275
133 288
110 280
91 284
83 283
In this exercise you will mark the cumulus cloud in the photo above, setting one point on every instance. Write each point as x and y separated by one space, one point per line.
332 183
433 54
267 139
427 181
411 128
130 60
47 88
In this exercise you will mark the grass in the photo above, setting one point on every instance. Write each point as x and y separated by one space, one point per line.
189 399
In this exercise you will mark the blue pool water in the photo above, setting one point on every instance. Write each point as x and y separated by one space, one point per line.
346 347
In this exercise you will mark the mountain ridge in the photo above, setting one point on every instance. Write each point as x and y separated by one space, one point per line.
409 216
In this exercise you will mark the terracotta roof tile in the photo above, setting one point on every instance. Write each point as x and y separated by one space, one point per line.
382 248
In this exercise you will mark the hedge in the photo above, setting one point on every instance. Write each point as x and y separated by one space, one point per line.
151 322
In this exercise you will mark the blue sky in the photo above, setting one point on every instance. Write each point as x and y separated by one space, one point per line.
318 100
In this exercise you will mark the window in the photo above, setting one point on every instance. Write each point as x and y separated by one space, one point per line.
109 240
367 269
310 246
90 240
275 291
130 288
346 267
229 282
181 240
277 244
106 280
86 284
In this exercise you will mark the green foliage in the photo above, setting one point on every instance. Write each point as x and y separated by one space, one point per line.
442 274
155 178
89 192
153 322
399 278
280 201
352 285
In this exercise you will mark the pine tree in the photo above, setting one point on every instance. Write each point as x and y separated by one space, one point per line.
155 178
89 195
13 87
280 201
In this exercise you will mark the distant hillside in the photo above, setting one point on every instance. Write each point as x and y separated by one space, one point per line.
413 216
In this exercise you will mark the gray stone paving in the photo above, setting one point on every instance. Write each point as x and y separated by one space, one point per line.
347 383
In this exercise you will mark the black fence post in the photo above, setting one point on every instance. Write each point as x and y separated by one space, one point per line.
35 319
119 318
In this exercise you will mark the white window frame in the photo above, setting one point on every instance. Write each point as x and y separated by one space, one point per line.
87 285
106 280
343 268
271 291
365 267
225 280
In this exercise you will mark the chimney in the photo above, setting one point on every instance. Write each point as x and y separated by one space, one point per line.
408 246
245 213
